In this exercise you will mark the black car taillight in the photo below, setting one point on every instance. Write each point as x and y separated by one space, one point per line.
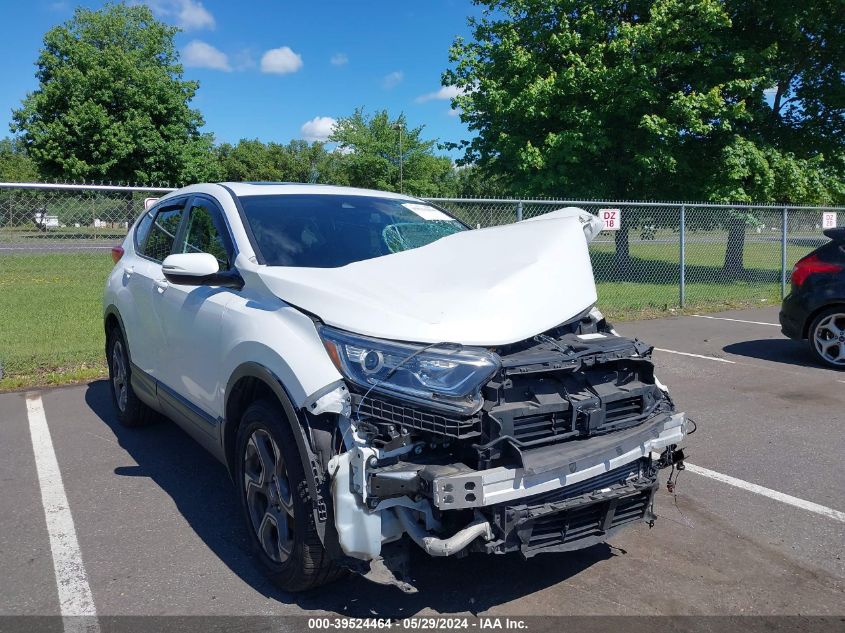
810 265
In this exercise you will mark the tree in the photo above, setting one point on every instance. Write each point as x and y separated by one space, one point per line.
655 99
470 181
298 161
371 149
252 159
15 163
111 102
312 162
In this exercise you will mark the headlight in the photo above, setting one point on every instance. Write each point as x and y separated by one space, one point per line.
441 377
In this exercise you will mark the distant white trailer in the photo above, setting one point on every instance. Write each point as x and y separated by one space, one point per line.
44 221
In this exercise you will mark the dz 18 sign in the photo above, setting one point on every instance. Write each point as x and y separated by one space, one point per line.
829 220
611 218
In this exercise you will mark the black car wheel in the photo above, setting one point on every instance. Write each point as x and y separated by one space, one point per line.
130 410
275 501
827 337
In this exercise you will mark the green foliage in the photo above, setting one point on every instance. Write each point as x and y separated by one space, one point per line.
298 161
657 99
15 163
111 102
471 181
371 149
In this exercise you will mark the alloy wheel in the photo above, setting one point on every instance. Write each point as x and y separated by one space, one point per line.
118 371
829 339
269 498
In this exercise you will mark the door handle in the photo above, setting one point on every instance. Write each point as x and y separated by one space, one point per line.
127 272
161 285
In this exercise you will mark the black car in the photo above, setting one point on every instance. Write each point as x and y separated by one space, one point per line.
814 310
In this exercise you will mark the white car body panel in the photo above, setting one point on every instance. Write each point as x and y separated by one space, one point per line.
485 287
189 322
279 337
146 350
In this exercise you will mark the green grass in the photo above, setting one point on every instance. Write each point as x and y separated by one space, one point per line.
51 316
51 328
649 284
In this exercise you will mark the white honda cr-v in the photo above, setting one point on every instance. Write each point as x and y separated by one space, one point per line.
373 373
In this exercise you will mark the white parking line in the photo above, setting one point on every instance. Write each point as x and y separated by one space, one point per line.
809 506
671 351
75 598
703 316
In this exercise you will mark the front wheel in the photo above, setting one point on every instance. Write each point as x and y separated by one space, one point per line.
827 337
275 501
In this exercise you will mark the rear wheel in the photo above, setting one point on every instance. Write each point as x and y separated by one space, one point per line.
275 501
827 337
130 410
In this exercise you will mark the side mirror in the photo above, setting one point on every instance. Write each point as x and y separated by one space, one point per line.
198 269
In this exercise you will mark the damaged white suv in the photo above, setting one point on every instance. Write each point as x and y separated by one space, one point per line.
374 374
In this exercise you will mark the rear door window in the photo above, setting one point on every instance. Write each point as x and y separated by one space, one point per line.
143 231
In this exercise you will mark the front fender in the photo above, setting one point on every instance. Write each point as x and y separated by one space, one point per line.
282 339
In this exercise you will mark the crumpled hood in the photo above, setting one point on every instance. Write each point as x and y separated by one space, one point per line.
484 287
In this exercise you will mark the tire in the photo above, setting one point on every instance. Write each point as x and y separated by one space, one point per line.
277 508
827 337
131 412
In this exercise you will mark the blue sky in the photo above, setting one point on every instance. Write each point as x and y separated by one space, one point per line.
280 69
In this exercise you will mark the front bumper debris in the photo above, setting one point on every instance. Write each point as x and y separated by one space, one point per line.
572 464
577 516
559 457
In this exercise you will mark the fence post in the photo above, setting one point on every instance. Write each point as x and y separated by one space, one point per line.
683 255
783 254
519 211
5 226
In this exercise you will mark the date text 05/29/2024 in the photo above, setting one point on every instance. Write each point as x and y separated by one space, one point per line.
419 623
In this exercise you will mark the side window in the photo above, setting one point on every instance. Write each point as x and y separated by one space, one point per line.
143 231
206 233
159 243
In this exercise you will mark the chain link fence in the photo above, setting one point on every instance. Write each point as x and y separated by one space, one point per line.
663 255
55 241
55 246
666 256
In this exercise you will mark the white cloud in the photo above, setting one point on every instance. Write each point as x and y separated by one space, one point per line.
190 15
198 54
454 112
446 92
318 129
339 59
391 80
280 61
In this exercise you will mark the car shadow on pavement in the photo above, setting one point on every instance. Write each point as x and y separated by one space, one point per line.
777 350
200 488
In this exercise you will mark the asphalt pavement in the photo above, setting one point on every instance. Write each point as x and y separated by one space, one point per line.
159 532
